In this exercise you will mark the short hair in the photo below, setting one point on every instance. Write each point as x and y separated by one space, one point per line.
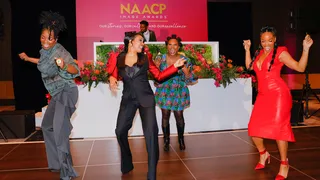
144 22
174 36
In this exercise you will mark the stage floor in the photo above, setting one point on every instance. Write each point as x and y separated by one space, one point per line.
228 155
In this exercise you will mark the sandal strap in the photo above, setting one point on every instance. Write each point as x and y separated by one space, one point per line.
286 162
263 152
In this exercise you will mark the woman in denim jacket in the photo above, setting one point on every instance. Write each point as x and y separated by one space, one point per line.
58 71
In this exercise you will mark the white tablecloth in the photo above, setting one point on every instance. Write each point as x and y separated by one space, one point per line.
211 109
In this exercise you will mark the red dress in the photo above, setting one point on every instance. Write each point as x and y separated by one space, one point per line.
271 113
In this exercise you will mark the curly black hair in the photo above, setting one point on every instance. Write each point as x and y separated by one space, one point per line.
174 36
52 21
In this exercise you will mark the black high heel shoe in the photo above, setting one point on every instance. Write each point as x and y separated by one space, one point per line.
181 143
166 138
180 129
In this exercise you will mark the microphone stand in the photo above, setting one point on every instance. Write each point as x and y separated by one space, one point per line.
306 92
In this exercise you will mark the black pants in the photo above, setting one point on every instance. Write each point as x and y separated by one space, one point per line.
150 130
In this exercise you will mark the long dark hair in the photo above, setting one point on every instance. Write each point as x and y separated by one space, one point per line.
129 36
274 33
52 21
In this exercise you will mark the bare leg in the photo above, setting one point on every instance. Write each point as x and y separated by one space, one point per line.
283 149
260 146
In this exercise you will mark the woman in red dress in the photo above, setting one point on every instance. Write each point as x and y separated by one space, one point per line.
270 116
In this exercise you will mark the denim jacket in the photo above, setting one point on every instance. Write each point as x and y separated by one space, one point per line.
54 78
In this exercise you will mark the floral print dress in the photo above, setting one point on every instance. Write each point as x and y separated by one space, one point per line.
173 94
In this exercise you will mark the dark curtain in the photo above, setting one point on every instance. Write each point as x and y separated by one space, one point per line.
230 24
29 90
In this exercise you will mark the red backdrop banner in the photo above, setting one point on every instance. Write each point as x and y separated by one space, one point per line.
106 20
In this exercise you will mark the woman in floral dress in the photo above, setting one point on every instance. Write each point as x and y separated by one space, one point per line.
173 94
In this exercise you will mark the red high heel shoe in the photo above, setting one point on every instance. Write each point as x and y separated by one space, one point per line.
280 177
261 166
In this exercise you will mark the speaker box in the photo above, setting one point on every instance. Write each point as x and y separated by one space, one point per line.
296 113
17 124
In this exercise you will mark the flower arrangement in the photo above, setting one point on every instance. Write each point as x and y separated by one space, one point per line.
104 51
92 73
223 71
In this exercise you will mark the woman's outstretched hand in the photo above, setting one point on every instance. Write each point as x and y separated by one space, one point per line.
307 42
179 63
246 44
24 56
